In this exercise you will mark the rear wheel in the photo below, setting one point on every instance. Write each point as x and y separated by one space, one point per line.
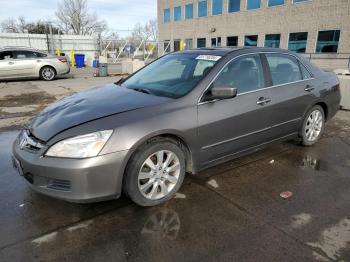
47 73
155 172
313 126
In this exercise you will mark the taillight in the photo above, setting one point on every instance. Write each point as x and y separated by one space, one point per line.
62 59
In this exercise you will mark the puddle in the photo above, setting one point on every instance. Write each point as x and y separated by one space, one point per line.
334 239
164 224
313 163
300 220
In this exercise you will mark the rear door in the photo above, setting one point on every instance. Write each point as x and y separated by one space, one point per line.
6 64
232 126
291 92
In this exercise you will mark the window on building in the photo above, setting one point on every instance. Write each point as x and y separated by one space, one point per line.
245 73
297 42
189 11
284 69
232 41
202 8
271 3
177 13
273 40
234 6
166 46
251 40
253 4
166 15
328 41
216 42
217 7
201 42
299 1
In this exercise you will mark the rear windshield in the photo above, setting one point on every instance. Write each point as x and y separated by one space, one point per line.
173 75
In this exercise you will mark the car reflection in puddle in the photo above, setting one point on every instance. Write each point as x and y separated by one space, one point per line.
313 163
164 224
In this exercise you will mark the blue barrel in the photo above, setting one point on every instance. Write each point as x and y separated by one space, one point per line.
79 60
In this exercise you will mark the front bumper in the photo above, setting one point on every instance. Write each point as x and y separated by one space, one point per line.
75 180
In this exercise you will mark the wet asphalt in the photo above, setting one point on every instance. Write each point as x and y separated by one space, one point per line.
232 212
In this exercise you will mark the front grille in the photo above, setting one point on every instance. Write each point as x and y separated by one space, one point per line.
59 184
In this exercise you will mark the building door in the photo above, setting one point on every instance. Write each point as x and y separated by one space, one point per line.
177 44
188 44
216 42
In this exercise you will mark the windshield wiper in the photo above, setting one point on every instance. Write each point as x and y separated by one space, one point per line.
143 90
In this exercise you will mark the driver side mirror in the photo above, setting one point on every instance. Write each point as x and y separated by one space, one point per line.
223 92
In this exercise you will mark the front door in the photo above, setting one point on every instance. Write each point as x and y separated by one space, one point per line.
229 127
7 64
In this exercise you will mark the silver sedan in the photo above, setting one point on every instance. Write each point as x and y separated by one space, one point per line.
18 63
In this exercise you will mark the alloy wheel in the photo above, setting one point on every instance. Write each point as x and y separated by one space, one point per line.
48 73
314 125
159 174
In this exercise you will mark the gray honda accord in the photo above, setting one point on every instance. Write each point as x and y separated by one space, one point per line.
184 112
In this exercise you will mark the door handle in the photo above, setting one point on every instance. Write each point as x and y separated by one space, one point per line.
11 63
262 101
38 61
309 88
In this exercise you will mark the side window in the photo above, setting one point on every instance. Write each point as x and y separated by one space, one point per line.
25 54
244 73
284 69
305 73
6 55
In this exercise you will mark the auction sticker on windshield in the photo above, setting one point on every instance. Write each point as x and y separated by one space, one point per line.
208 57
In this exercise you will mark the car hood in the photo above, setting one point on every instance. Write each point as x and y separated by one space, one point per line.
88 106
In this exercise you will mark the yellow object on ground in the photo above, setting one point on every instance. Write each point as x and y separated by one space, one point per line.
58 52
72 59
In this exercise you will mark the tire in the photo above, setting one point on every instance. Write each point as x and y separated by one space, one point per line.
47 73
149 183
313 126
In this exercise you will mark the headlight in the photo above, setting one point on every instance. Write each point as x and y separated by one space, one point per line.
84 146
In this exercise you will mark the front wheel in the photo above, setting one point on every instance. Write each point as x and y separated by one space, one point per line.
155 172
47 73
313 126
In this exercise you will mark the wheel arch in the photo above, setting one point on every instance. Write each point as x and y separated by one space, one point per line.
171 135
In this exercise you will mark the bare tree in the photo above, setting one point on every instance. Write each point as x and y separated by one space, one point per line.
73 17
20 25
9 26
147 32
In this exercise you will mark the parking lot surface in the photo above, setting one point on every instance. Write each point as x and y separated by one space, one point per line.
231 212
21 100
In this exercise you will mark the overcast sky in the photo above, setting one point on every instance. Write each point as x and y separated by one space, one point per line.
119 14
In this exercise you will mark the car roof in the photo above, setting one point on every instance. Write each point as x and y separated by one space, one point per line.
13 48
223 51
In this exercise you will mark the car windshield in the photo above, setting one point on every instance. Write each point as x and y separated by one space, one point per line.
173 75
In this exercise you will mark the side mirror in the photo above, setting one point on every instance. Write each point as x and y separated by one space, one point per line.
223 92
